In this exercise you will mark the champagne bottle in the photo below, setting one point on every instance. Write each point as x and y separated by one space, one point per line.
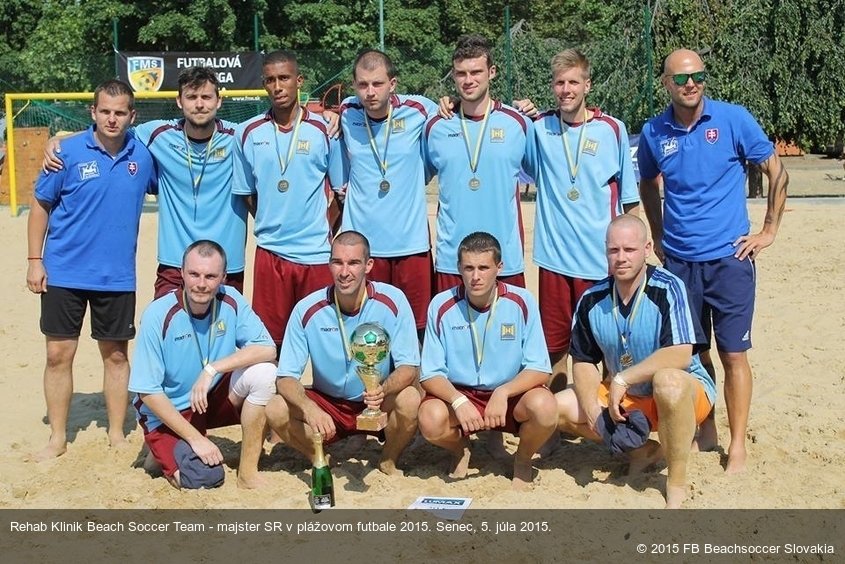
322 488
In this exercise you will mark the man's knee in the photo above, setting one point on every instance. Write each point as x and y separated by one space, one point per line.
566 404
540 406
277 412
670 387
256 384
60 353
407 403
433 418
734 360
114 352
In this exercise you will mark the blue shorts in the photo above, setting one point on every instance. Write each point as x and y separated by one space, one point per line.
721 293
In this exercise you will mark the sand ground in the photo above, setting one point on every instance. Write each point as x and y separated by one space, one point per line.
796 433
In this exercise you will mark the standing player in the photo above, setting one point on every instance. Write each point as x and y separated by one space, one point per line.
82 234
477 158
484 363
284 158
385 199
585 178
701 234
319 329
194 157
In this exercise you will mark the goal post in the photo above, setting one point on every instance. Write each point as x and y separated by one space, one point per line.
53 111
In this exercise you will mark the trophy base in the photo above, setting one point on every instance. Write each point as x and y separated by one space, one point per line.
369 423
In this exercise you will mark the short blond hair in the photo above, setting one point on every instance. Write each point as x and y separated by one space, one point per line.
571 58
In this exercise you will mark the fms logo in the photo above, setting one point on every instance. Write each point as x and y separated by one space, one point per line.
146 74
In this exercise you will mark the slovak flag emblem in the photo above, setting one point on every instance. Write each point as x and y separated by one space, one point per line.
133 168
712 135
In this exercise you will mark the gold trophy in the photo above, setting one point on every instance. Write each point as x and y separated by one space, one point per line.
370 345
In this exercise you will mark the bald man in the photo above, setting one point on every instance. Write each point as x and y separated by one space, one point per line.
638 323
702 234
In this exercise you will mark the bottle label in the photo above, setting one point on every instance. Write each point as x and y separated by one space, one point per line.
321 502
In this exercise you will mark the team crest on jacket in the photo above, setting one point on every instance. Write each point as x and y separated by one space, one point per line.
132 167
712 135
508 331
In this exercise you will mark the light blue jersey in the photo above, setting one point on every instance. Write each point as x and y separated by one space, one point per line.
394 219
662 319
95 204
314 331
573 215
491 204
172 345
291 219
195 191
508 344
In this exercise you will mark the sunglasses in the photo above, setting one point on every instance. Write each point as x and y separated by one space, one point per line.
682 78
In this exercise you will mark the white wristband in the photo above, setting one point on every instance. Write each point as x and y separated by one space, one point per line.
617 379
459 401
210 370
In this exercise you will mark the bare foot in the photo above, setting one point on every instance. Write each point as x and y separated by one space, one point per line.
117 438
460 463
640 459
388 467
707 438
737 457
49 452
495 444
251 480
675 496
523 473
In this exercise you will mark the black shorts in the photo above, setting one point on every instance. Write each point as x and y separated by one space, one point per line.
112 313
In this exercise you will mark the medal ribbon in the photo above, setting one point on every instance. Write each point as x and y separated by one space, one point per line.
388 125
625 330
479 346
474 155
203 359
195 182
573 168
346 347
283 164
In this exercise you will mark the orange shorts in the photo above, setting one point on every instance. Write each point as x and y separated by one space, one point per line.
647 405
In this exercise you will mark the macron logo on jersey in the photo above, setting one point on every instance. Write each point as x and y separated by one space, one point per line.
89 170
669 146
712 135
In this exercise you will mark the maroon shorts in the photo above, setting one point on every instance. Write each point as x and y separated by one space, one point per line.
479 399
279 284
558 296
169 278
447 281
413 275
344 413
221 413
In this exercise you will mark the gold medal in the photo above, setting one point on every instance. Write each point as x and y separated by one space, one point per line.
384 186
626 360
283 185
474 183
573 194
